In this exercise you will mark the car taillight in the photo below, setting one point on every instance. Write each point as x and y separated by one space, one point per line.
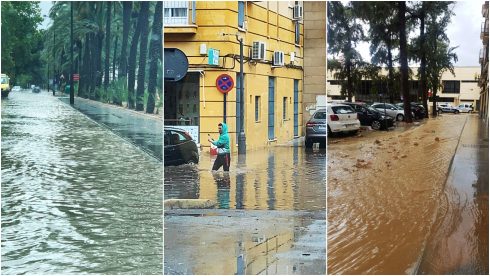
334 117
309 124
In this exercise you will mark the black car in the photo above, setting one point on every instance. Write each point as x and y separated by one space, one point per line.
179 148
418 110
369 116
36 89
316 129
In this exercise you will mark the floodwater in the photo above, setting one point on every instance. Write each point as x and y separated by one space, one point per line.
270 216
76 198
384 194
279 178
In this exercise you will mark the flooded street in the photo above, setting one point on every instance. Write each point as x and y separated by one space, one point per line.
386 191
270 216
76 198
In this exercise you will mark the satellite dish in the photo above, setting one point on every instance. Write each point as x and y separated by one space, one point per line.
175 64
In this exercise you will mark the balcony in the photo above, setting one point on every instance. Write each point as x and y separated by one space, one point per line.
484 10
179 17
484 31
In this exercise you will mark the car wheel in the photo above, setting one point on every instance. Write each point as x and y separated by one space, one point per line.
329 132
456 111
400 117
308 143
376 125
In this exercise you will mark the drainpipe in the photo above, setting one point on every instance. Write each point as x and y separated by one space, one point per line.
242 145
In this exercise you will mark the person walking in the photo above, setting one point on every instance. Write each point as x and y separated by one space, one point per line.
223 145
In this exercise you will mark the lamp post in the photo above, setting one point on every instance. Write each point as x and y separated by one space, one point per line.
242 145
72 95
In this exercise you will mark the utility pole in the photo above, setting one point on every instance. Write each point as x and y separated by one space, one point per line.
242 145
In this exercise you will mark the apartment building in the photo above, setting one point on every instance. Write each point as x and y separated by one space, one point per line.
209 34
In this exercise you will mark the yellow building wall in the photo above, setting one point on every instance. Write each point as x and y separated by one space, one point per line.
217 24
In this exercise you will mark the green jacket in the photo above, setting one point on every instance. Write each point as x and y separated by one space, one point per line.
223 141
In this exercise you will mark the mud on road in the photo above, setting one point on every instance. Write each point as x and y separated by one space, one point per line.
384 189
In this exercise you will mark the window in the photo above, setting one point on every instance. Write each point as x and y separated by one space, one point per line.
257 108
296 33
450 86
241 13
285 108
175 12
342 109
271 110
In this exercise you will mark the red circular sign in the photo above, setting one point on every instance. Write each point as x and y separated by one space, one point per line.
224 83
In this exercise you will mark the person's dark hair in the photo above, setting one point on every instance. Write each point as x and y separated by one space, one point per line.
220 124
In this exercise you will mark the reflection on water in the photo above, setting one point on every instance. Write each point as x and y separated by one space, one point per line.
75 197
280 178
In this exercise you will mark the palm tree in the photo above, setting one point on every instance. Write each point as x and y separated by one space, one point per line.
144 15
107 44
155 55
123 63
132 61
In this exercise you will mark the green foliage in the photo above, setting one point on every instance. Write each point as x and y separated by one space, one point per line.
21 41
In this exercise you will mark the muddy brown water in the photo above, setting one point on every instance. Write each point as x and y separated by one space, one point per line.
384 190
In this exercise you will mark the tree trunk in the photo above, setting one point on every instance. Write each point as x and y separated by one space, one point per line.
132 64
123 62
93 66
155 54
391 85
107 46
434 88
423 62
403 60
140 92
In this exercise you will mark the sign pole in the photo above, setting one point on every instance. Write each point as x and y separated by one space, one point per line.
224 108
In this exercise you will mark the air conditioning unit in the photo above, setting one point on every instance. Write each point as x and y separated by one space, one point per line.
258 50
298 12
278 59
292 56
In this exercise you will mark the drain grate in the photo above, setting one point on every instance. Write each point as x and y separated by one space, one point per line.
481 146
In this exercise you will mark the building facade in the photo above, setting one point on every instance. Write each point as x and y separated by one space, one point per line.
457 89
208 33
484 65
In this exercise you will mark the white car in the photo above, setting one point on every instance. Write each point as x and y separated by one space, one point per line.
341 118
16 88
465 108
391 110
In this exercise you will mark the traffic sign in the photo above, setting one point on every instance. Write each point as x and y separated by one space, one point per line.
224 83
76 77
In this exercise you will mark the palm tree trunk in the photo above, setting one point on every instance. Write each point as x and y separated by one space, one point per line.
123 62
423 61
155 54
132 63
140 92
107 46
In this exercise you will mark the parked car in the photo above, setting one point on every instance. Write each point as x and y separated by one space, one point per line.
36 89
444 107
369 116
341 118
465 107
16 88
418 110
316 129
391 110
179 147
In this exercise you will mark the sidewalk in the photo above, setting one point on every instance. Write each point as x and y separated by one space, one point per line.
460 243
142 130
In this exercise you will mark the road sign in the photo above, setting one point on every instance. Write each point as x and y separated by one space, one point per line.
76 77
224 83
213 57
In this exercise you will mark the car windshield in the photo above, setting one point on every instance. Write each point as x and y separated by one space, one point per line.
4 80
342 109
371 109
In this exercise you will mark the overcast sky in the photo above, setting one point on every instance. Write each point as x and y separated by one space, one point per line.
464 31
45 6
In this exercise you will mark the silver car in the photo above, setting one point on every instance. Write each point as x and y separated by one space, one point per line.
316 129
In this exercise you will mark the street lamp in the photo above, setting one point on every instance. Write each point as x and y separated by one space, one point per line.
242 145
72 95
